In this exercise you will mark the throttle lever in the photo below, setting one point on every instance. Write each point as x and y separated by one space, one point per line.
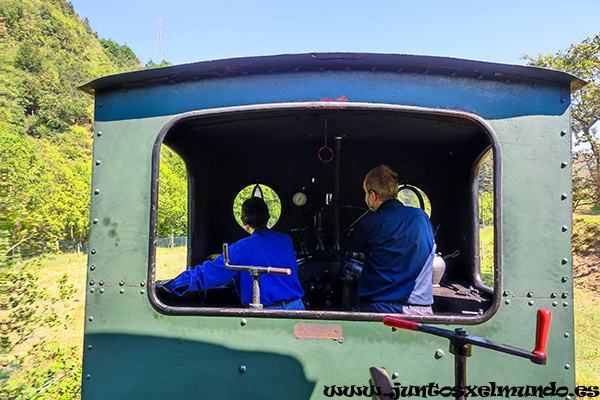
541 332
460 343
256 271
537 356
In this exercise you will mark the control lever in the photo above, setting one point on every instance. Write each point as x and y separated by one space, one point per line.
256 272
460 343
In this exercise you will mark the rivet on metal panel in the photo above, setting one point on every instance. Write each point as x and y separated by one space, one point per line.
553 295
243 322
89 346
122 291
565 278
98 162
564 261
143 283
243 368
92 267
563 100
530 294
395 375
92 282
92 290
394 329
565 295
90 319
97 191
142 291
101 290
565 228
122 282
506 293
88 376
101 283
507 301
100 105
555 303
95 220
567 366
567 335
93 251
439 353
530 302
99 133
563 164
341 340
566 304
563 133
563 196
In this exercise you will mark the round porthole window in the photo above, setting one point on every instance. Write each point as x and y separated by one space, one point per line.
266 193
412 196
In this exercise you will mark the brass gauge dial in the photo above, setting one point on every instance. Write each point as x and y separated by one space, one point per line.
299 199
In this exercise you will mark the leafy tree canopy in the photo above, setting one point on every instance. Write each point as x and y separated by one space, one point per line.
582 60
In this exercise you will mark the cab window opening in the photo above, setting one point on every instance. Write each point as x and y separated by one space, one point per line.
267 194
172 215
304 207
486 219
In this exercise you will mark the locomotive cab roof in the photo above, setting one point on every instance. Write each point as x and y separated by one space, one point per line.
444 66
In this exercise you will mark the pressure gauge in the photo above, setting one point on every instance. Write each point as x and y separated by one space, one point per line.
299 199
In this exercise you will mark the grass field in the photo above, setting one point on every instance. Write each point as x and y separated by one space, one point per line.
486 249
171 261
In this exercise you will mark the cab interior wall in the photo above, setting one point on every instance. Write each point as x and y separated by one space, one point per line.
224 154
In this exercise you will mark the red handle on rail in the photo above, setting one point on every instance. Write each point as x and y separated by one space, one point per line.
401 323
541 333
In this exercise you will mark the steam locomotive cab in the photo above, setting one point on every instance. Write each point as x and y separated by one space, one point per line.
269 125
311 159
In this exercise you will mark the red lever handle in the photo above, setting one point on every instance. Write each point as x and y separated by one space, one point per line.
401 323
541 334
279 271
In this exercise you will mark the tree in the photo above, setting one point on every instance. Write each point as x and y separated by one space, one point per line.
152 64
172 196
582 60
486 208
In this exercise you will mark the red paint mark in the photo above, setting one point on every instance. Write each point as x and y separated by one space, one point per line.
343 98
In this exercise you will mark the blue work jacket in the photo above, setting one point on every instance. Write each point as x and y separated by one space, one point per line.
264 248
399 249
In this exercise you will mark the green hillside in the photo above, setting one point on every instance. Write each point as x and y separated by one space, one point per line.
47 51
46 129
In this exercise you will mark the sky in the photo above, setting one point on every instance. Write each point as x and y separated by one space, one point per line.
495 31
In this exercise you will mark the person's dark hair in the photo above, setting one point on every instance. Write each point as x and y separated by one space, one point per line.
383 181
255 213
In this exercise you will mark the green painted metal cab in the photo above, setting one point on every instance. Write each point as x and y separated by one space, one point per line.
315 124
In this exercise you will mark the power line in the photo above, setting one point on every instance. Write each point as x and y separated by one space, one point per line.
160 53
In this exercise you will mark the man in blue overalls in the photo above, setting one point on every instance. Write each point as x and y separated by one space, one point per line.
264 248
399 249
